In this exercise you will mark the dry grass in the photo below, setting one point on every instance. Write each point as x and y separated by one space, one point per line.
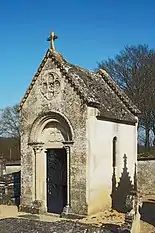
146 228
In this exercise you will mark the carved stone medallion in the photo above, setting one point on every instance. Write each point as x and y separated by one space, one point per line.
53 133
50 85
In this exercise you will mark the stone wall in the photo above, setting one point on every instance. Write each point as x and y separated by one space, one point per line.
69 104
146 175
10 188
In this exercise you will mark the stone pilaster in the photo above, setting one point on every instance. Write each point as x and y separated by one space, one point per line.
38 149
67 207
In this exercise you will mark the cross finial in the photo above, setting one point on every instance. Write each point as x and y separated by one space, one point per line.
52 38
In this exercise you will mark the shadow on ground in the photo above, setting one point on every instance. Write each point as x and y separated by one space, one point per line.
148 212
17 225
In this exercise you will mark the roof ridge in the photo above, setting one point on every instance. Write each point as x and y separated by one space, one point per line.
77 87
66 75
119 92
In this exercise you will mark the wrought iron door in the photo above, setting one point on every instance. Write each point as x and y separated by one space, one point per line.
56 180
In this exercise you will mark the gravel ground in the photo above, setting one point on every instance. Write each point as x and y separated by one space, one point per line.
16 225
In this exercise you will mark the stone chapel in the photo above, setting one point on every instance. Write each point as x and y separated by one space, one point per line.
77 126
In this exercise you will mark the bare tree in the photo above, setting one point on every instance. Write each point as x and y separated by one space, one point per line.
9 122
134 70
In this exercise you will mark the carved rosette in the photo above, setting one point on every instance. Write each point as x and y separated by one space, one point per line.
50 85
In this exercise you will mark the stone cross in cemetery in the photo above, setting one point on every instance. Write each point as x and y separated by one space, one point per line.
52 38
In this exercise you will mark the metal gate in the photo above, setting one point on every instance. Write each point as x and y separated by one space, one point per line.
56 180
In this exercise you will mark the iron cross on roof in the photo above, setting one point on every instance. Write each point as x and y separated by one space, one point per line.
52 38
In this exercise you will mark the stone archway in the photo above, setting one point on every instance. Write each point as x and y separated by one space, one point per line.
51 133
54 122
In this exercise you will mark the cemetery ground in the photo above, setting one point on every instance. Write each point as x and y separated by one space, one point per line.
108 222
13 221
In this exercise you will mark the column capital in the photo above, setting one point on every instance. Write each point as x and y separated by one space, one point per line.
37 147
67 144
67 147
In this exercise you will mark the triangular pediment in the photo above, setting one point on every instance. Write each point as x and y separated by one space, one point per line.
96 89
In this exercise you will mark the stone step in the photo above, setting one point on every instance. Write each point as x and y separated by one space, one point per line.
8 211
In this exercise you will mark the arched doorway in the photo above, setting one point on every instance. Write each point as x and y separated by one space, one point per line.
53 134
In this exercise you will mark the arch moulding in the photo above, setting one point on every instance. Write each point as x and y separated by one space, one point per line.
51 128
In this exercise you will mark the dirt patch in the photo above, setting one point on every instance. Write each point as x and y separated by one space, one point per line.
106 217
7 211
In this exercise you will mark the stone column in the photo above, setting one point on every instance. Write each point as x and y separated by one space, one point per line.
67 207
38 148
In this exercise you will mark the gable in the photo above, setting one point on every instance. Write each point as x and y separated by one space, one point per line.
96 89
46 85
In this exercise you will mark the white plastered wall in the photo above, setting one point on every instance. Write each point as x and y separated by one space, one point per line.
100 136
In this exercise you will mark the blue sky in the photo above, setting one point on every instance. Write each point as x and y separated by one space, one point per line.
89 31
